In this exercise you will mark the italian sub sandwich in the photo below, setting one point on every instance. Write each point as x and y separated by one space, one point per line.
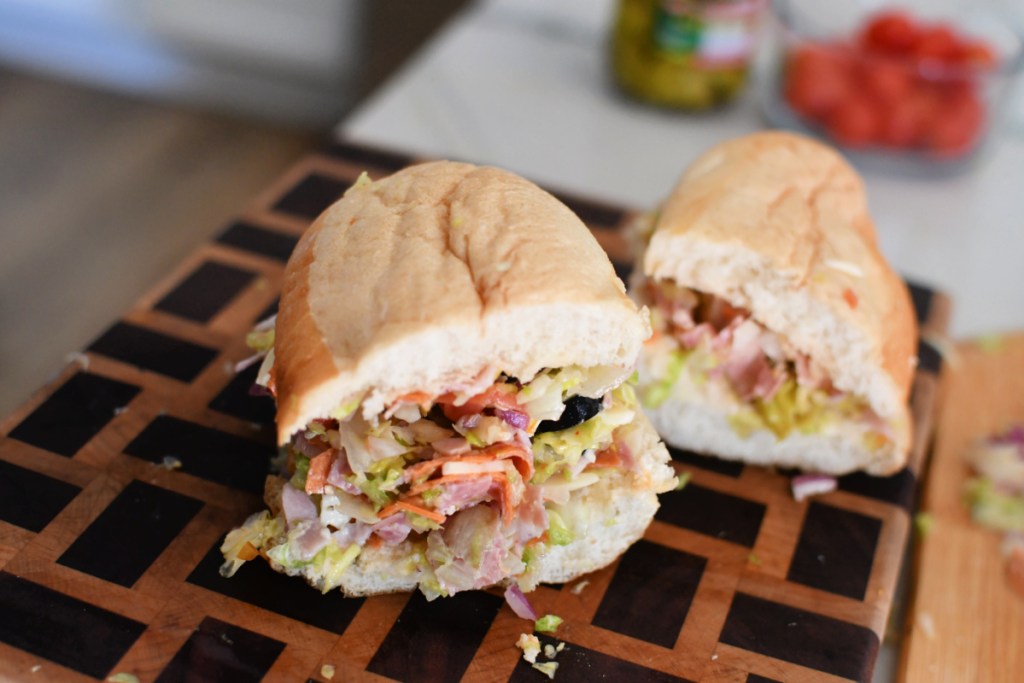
781 335
451 363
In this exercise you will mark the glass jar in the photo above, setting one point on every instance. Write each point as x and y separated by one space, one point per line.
689 54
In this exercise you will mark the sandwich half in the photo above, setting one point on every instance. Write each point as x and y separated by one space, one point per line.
451 363
780 334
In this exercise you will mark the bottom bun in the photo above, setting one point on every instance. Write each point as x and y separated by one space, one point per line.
605 518
701 426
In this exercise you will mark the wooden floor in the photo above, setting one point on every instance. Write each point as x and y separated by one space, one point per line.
100 195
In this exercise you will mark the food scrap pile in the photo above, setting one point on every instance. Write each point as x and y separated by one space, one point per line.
996 495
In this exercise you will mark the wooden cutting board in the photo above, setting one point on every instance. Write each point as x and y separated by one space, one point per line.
965 624
119 480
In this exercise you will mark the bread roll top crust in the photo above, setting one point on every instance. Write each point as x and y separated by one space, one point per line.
778 224
432 277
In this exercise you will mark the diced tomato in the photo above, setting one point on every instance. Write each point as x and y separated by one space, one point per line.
890 32
936 43
905 121
887 80
953 132
817 79
854 123
976 54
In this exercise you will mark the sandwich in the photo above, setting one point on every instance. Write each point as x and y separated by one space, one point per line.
780 334
452 364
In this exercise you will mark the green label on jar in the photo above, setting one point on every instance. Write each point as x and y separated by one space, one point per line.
676 27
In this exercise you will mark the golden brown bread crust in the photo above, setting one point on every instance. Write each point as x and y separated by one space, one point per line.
802 209
430 277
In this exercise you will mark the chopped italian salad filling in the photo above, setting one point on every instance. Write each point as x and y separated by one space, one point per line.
471 484
702 344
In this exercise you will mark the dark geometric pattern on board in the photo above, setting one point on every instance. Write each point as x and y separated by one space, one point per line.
218 651
370 157
835 550
653 602
128 536
651 592
577 664
435 641
730 468
29 499
311 196
897 489
207 290
596 215
73 414
713 513
205 452
928 358
236 399
149 350
805 638
921 297
257 584
63 629
257 240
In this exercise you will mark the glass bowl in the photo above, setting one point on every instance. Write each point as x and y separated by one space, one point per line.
914 86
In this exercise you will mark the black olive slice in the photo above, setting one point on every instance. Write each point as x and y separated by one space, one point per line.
578 409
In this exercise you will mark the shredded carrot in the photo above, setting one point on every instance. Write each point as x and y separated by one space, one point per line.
406 506
319 466
427 467
850 297
420 398
374 541
521 459
248 552
447 479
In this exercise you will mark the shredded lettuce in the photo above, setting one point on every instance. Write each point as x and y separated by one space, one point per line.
301 466
555 452
558 532
548 623
254 532
657 393
260 341
994 508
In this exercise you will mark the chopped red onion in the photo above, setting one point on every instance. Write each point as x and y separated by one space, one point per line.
468 421
515 418
246 362
520 605
805 485
259 390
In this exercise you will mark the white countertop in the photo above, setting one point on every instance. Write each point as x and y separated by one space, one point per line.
524 84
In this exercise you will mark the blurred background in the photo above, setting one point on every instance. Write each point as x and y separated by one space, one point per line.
144 126
131 130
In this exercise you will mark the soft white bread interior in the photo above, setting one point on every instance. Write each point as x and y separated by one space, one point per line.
778 224
605 519
427 279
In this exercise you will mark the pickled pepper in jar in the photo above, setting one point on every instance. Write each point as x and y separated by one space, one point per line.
688 54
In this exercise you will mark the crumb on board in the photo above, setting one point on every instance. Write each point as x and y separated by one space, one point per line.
530 645
547 668
123 677
578 588
548 623
327 671
927 625
171 463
